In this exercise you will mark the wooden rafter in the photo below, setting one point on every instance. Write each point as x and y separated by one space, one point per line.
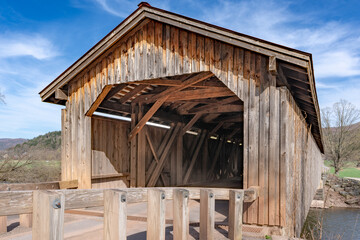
191 123
218 126
187 83
98 101
146 117
115 90
132 93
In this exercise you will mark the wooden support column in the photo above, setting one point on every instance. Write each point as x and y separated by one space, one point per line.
205 158
3 224
179 159
48 215
236 199
181 214
133 147
207 220
141 141
156 215
25 220
115 214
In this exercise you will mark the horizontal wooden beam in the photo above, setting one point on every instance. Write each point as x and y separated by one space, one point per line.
217 109
175 83
20 202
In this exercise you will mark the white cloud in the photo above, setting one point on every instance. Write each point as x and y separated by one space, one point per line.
19 45
335 45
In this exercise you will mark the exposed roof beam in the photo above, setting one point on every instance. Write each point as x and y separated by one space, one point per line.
132 93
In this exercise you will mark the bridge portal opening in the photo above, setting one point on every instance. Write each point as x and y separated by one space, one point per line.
184 130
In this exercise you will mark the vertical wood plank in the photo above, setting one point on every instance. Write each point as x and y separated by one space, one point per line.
253 137
236 201
141 152
179 159
283 154
63 145
274 148
207 220
150 50
3 224
181 214
156 215
246 126
25 220
133 148
115 214
48 215
264 143
159 49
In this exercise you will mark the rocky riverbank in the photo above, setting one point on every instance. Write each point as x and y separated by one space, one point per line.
341 192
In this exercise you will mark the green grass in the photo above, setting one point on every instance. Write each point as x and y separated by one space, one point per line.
349 171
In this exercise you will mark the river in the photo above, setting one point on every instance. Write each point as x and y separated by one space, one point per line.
337 223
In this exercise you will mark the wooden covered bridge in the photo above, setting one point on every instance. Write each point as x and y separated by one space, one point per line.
168 101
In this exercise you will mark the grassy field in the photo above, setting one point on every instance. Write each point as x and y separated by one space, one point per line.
349 171
36 171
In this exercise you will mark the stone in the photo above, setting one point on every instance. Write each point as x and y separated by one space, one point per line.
353 200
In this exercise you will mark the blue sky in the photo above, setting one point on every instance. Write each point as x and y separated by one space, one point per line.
40 39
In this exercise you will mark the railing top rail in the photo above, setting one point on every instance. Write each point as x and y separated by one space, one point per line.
20 202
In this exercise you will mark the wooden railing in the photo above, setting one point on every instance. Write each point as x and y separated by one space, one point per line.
48 208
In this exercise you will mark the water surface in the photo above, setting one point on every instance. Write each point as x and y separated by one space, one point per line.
337 223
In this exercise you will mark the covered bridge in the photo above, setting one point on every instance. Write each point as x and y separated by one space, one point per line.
166 100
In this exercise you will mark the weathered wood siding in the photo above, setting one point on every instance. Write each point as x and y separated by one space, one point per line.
110 152
301 163
154 50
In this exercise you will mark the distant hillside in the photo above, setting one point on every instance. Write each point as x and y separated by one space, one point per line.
43 147
6 143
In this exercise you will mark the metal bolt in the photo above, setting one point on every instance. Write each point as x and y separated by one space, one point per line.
211 195
56 203
123 198
238 196
162 196
186 195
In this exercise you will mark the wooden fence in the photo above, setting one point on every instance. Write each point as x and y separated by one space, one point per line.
48 208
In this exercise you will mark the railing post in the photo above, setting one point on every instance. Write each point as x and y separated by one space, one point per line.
115 214
3 224
48 215
236 200
181 214
26 220
207 208
156 215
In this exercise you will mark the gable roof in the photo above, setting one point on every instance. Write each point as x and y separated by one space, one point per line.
144 10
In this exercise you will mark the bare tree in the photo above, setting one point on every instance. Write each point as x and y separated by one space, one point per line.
341 134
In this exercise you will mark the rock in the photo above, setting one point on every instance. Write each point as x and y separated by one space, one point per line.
353 200
343 193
